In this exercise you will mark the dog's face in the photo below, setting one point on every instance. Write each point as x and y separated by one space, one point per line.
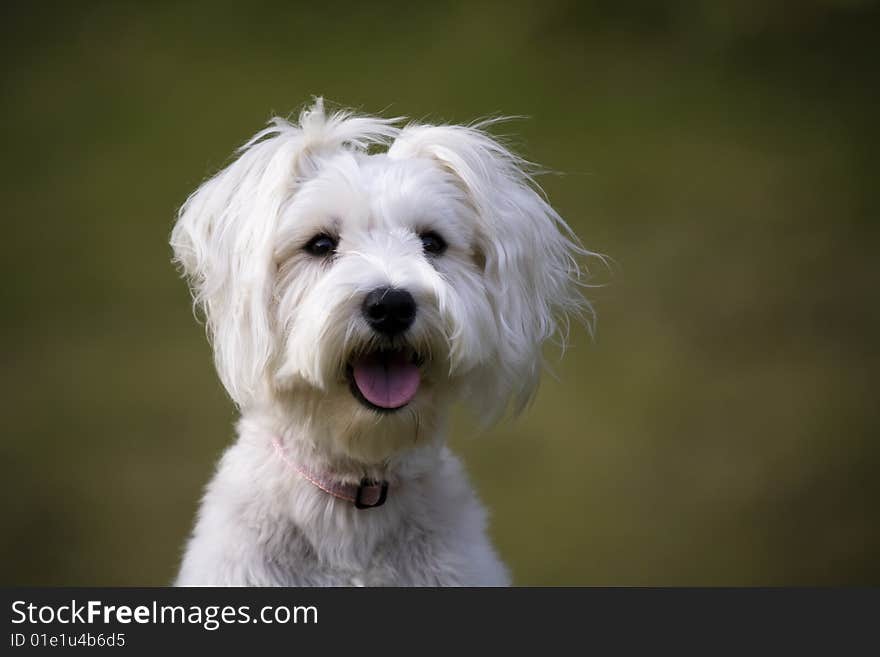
362 292
378 268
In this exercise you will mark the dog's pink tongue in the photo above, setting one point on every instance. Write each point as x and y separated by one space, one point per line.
387 380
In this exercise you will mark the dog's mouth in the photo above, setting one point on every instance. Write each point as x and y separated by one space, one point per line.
385 380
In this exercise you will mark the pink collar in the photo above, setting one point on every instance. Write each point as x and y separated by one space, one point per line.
367 494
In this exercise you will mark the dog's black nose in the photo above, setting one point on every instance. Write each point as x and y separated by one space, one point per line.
389 311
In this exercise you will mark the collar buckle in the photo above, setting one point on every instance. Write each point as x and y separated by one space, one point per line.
370 494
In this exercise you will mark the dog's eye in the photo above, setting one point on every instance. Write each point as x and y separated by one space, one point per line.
432 243
321 245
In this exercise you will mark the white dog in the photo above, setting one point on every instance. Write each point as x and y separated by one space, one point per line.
352 294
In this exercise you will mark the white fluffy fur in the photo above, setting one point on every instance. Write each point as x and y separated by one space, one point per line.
284 325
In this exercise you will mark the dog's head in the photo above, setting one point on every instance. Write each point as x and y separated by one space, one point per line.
370 289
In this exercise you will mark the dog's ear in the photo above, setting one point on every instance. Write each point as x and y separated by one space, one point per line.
531 257
225 233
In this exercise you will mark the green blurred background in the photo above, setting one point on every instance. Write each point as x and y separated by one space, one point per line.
722 427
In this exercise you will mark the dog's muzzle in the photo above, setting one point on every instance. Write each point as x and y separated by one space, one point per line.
386 379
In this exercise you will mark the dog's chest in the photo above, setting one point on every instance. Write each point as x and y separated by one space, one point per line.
391 563
408 553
